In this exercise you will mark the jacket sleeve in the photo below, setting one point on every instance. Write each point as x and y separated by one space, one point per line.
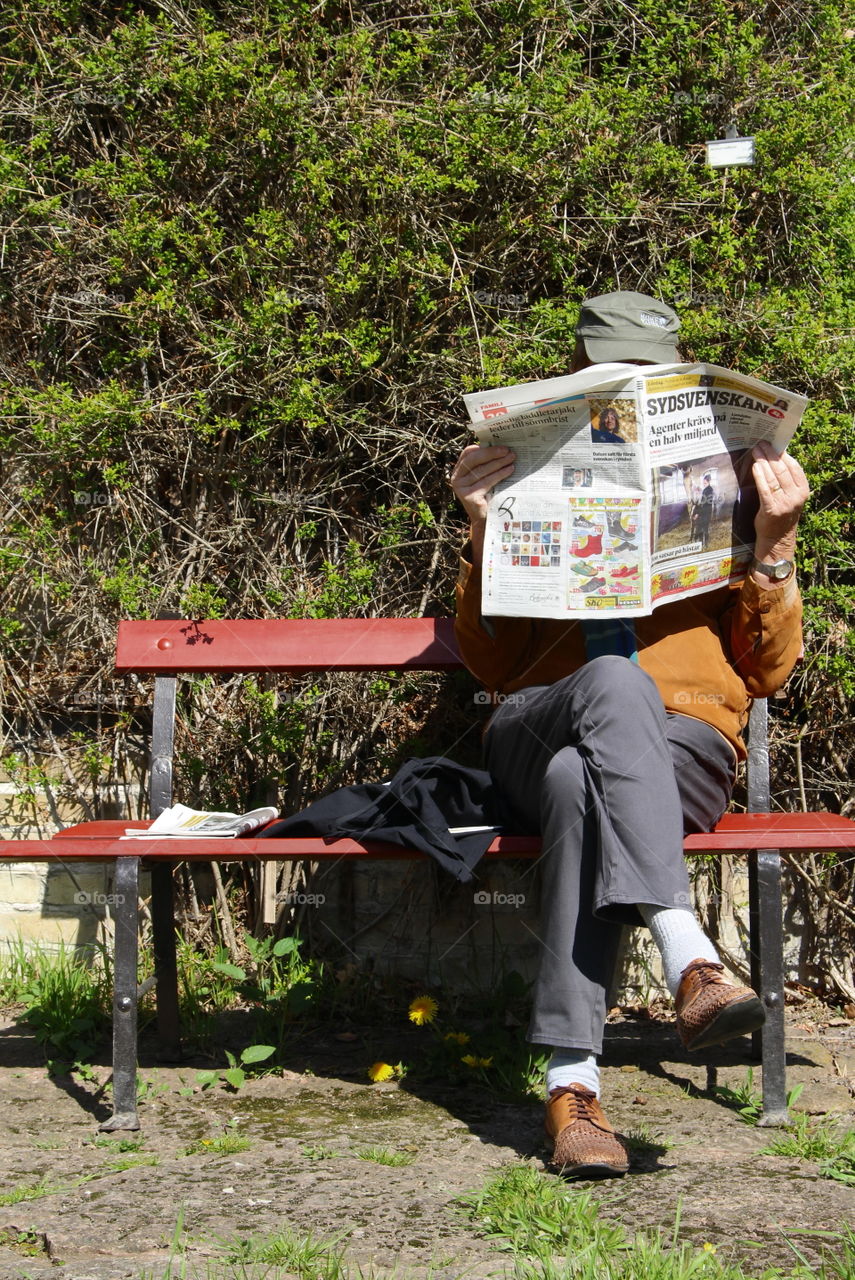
492 648
766 635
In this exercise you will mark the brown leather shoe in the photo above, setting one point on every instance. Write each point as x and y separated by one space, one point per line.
710 1009
584 1143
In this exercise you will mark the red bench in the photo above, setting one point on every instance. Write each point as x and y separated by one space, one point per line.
175 647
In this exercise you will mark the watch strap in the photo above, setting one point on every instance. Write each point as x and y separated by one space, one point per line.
778 570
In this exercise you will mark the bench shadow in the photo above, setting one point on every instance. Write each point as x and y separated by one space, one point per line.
321 1052
19 1048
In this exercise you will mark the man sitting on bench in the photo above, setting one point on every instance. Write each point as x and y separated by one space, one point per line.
614 746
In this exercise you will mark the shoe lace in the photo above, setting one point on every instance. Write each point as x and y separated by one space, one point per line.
583 1100
706 971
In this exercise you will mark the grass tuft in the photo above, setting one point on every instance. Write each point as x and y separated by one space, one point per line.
385 1155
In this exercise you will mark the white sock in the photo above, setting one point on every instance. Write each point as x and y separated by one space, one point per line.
572 1066
679 938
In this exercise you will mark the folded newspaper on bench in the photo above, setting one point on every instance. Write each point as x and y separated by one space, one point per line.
184 822
632 487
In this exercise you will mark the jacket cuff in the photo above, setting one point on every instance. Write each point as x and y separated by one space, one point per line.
770 599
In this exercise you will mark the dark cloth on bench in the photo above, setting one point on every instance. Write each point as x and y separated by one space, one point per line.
414 810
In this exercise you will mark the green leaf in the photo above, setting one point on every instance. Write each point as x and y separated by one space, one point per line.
256 1053
235 1077
285 946
230 970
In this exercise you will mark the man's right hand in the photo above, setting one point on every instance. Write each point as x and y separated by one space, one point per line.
476 473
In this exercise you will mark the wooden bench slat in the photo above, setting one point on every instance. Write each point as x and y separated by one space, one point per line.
735 833
294 645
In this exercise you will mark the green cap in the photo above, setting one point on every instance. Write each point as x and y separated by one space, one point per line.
628 326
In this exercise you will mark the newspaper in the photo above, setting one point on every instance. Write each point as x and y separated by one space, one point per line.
632 487
184 822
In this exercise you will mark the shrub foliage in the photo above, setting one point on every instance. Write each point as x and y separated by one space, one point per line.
252 254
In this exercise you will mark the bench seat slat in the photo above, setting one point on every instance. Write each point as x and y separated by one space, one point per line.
735 833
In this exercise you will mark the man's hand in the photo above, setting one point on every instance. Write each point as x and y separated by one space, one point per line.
783 491
476 473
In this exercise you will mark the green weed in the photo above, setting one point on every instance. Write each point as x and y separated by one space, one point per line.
822 1141
68 997
385 1155
555 1232
642 1138
745 1099
226 1144
120 1146
239 1069
307 1256
28 1243
30 1191
121 1163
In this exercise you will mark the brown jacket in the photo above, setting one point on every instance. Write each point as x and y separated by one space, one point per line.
709 654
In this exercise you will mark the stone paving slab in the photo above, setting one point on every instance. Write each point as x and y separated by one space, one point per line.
302 1170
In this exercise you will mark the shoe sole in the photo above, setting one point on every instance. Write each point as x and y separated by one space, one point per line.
573 1172
736 1019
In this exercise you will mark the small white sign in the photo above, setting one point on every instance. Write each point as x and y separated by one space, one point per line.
727 151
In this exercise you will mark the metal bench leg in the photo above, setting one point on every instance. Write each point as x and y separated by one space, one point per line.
165 960
126 918
767 974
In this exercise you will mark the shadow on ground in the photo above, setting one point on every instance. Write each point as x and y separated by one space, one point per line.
311 1128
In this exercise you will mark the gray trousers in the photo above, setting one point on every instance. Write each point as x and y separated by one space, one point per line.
611 782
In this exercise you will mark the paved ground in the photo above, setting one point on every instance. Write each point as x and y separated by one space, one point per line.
302 1170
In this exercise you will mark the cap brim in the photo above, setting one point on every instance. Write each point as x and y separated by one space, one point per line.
607 350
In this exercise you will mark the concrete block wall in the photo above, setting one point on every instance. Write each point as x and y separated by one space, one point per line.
49 904
413 921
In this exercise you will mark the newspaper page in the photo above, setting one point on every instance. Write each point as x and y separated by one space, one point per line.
632 487
179 820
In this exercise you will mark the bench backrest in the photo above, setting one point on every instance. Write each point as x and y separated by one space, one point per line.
175 646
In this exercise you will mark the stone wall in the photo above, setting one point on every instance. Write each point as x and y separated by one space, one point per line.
53 904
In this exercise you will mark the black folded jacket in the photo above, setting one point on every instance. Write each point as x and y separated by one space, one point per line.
413 810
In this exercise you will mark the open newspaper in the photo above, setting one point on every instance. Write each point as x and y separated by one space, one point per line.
181 821
632 487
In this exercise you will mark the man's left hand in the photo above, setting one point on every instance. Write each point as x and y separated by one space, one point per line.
783 491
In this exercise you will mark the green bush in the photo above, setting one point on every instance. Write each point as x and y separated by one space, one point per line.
254 252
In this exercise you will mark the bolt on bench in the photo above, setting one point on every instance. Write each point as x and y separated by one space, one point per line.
170 648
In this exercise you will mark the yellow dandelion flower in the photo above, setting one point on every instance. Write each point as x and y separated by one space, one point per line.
472 1061
708 1248
380 1071
423 1009
456 1037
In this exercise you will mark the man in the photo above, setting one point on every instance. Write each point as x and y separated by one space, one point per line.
703 512
614 750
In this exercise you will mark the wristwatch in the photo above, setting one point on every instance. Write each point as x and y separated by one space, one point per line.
778 571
